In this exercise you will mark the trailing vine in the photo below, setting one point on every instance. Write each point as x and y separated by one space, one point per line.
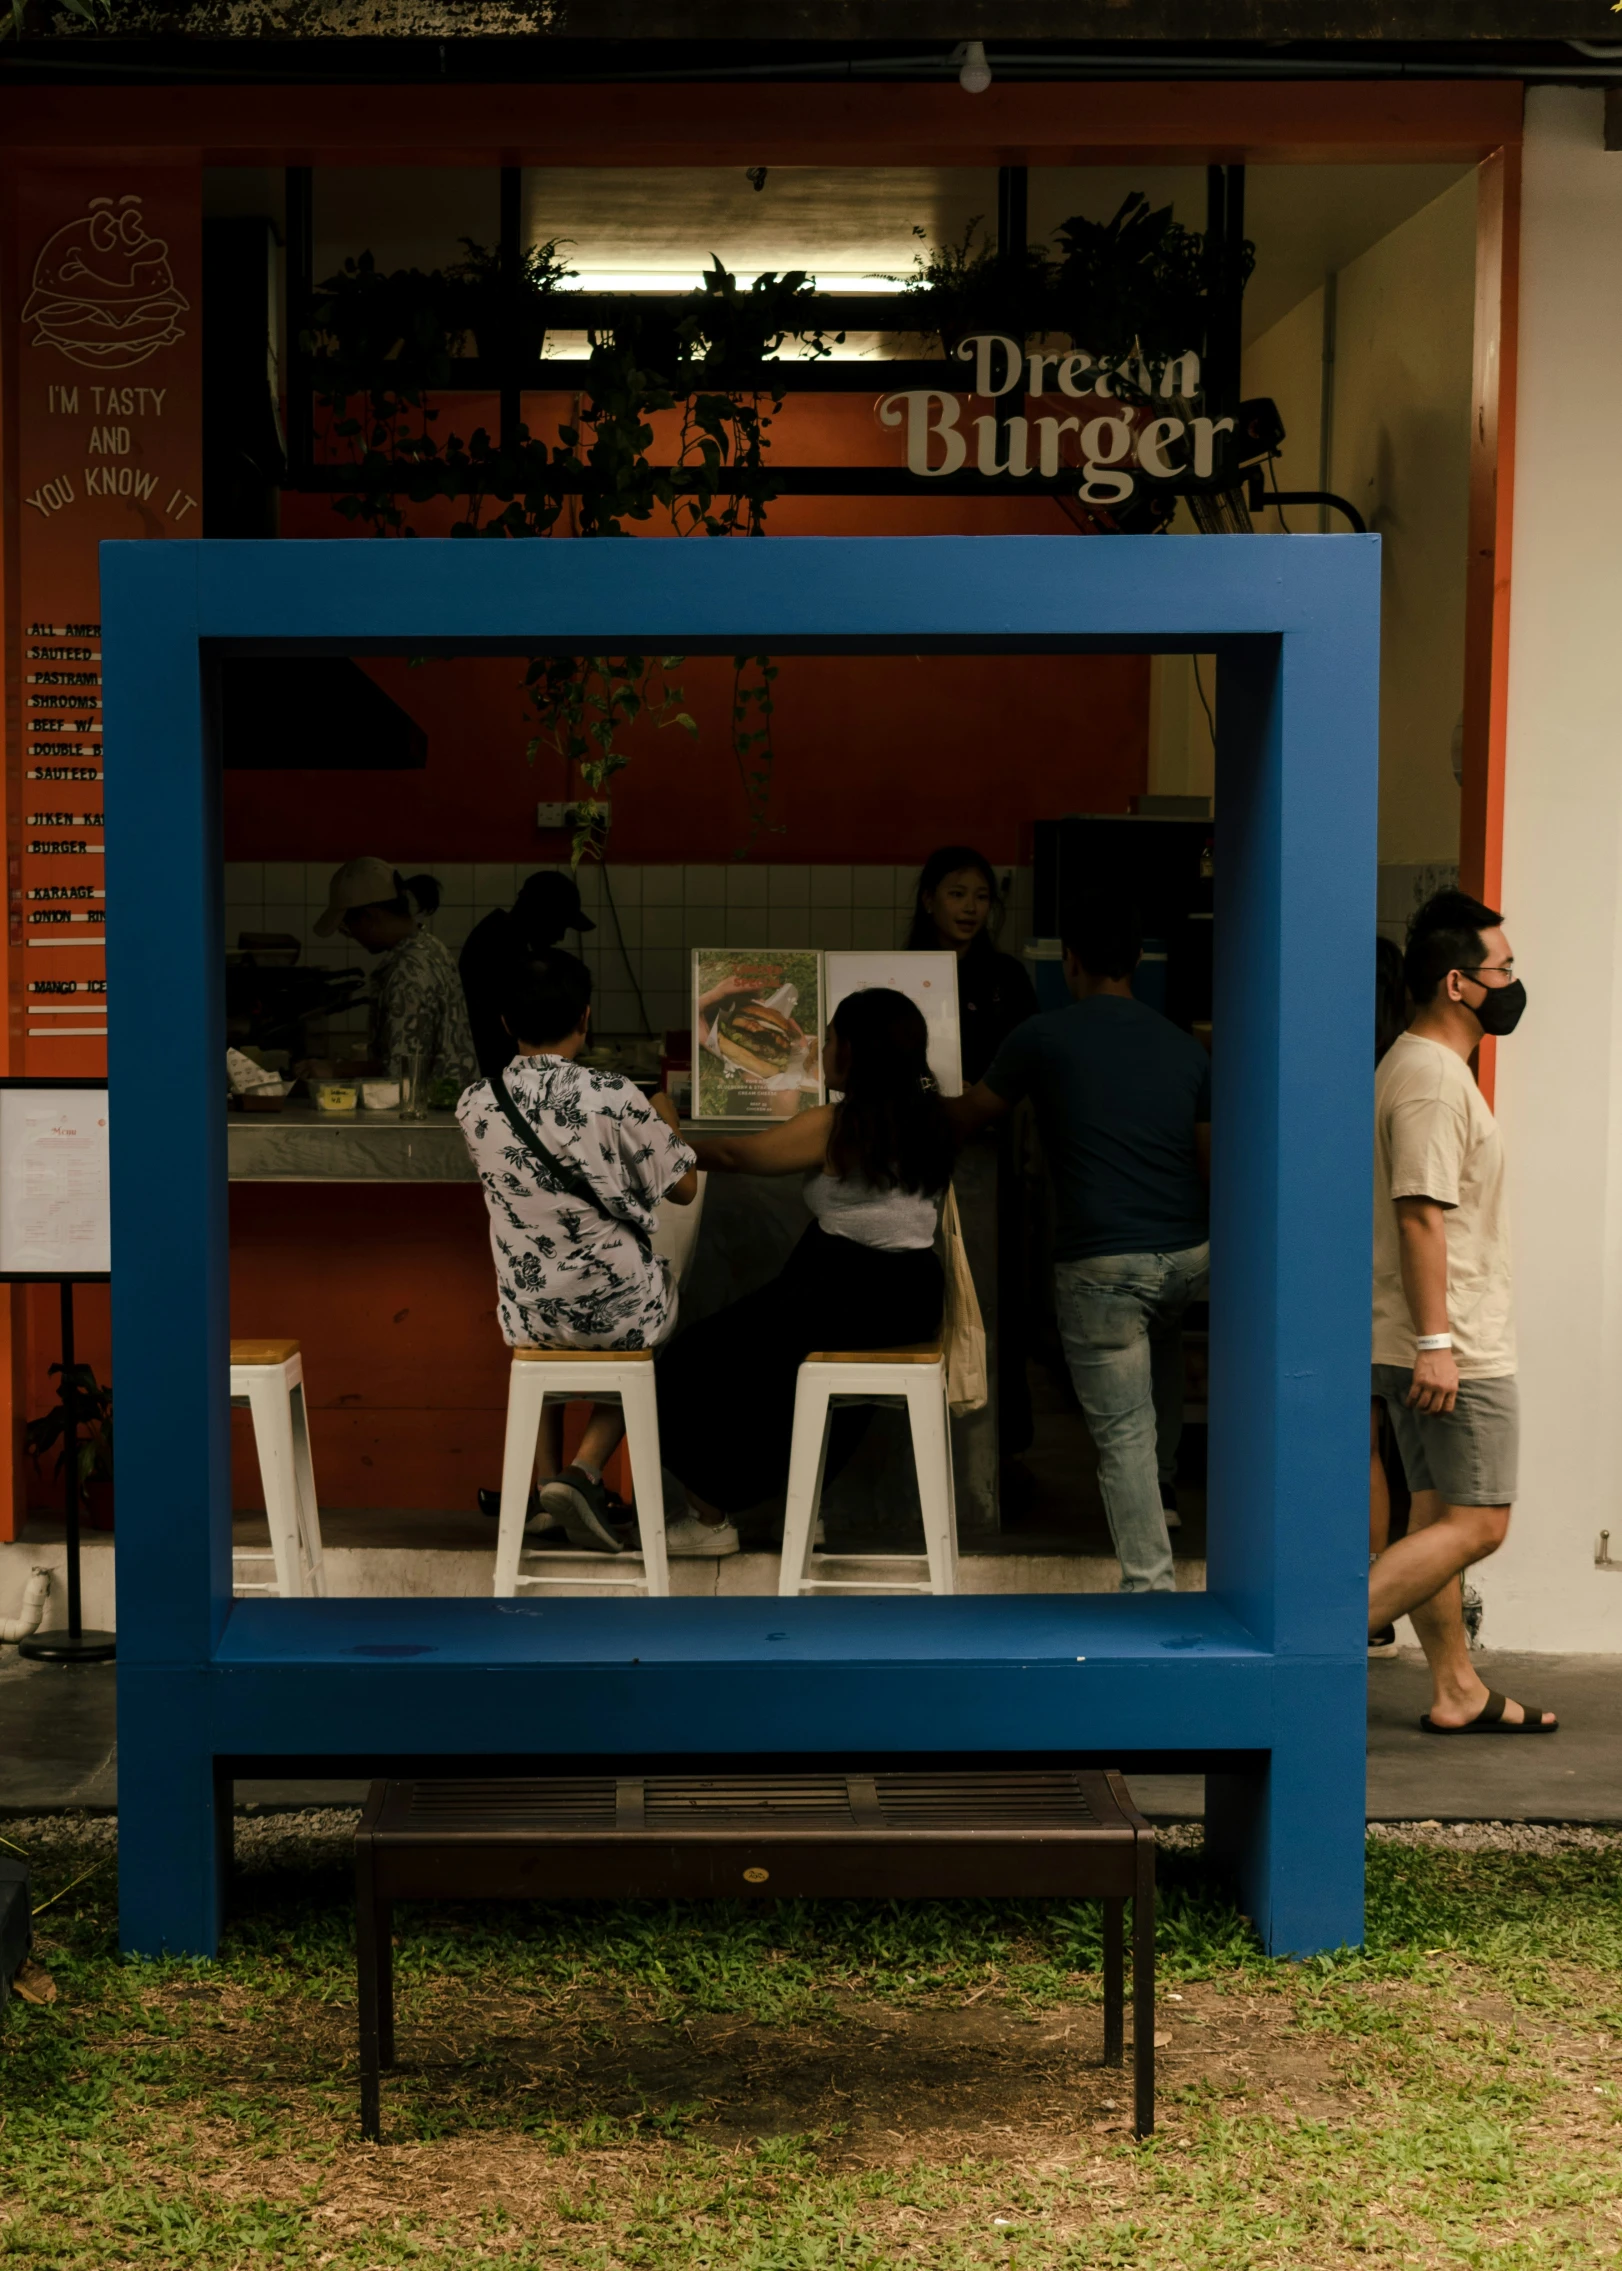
1137 289
384 343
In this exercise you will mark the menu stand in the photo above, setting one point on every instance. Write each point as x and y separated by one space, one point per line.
54 1230
75 1645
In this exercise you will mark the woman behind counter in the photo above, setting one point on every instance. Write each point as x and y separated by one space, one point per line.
419 1017
956 898
864 1275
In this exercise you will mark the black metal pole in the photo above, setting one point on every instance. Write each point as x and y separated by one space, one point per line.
510 254
300 191
75 1646
70 1464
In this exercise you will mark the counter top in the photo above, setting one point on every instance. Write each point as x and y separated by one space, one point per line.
301 1145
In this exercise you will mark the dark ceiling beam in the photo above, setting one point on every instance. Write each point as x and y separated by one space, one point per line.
508 122
1197 23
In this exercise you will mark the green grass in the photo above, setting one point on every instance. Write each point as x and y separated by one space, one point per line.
1449 2095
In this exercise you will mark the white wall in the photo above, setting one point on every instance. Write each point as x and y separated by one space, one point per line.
1399 434
1560 1077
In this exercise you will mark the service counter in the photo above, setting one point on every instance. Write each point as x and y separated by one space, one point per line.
365 1237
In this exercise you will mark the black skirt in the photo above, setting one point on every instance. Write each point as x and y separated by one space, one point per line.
726 1386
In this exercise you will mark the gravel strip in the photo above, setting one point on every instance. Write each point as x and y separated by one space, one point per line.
322 1837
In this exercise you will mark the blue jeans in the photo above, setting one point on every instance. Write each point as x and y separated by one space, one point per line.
1120 1320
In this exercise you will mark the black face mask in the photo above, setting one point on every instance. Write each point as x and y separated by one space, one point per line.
1501 1012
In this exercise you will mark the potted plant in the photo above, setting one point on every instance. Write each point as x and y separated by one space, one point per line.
90 1407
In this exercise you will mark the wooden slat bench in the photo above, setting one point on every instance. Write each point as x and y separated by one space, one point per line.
878 1836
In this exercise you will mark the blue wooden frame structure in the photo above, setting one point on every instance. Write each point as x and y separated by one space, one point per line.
1259 1681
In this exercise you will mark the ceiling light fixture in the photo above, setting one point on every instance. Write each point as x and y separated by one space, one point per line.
975 75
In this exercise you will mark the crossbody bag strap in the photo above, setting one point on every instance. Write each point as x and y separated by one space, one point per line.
568 1178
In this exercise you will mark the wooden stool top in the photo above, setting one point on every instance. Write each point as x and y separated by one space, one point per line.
263 1352
582 1356
922 1352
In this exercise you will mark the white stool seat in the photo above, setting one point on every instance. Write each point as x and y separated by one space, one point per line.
604 1375
915 1375
268 1376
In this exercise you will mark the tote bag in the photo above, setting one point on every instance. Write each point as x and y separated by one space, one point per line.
964 1336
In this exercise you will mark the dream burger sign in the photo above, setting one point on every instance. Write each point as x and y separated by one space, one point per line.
1149 432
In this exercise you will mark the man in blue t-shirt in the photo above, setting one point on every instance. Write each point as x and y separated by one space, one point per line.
1123 1101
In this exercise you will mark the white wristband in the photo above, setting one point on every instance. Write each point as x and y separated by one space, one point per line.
1434 1340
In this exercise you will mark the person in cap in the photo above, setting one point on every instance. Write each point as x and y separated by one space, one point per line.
548 904
419 1019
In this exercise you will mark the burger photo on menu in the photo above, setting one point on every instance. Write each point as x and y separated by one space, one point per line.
757 1022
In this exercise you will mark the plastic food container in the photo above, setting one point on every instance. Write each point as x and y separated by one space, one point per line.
335 1095
380 1095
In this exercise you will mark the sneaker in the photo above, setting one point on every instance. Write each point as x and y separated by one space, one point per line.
490 1504
582 1506
1168 1501
691 1536
1383 1642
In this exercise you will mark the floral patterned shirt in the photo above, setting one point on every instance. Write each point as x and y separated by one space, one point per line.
419 1012
567 1276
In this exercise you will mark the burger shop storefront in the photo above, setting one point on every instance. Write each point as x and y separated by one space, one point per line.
1096 330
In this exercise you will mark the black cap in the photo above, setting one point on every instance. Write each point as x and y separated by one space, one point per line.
549 904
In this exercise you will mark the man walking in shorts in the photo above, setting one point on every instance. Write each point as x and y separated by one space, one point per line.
1444 1337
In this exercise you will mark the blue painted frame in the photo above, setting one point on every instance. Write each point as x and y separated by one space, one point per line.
1260 1680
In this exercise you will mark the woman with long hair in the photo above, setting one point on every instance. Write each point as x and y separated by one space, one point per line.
864 1275
954 906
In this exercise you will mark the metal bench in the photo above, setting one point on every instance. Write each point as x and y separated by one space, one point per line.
867 1836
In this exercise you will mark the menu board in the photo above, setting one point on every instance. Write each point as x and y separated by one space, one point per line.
928 978
757 1032
54 1214
105 353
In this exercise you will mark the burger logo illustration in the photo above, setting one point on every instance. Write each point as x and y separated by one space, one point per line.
103 290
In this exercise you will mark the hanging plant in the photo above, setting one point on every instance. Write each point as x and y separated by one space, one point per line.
968 286
1136 289
386 342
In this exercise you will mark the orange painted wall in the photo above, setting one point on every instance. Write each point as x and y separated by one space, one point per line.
878 757
94 449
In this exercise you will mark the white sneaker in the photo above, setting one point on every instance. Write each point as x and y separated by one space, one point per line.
691 1536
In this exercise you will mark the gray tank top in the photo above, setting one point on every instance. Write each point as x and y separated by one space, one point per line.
894 1222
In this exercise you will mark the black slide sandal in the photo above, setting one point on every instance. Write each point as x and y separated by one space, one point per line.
1490 1720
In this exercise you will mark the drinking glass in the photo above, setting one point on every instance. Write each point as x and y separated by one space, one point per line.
411 1104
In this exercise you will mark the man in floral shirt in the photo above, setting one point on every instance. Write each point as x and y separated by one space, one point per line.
575 1163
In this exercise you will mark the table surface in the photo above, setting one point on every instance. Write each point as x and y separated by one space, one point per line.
301 1145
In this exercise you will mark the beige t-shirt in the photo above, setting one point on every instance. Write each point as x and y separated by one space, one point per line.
1434 1138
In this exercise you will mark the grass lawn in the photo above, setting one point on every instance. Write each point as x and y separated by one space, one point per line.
850 2086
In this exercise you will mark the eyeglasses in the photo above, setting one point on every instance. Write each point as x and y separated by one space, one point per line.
1486 970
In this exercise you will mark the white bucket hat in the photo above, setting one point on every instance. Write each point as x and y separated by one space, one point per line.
358 883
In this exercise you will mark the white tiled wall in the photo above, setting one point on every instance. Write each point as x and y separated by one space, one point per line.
1403 890
663 913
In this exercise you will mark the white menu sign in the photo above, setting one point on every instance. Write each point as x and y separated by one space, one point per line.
54 1212
925 977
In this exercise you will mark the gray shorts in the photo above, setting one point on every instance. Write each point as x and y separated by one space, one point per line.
1470 1454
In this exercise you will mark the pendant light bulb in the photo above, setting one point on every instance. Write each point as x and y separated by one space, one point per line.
975 76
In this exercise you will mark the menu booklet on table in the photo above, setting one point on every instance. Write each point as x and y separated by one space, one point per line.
757 1032
759 1014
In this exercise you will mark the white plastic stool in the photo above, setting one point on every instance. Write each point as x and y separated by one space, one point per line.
268 1376
603 1375
869 1376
